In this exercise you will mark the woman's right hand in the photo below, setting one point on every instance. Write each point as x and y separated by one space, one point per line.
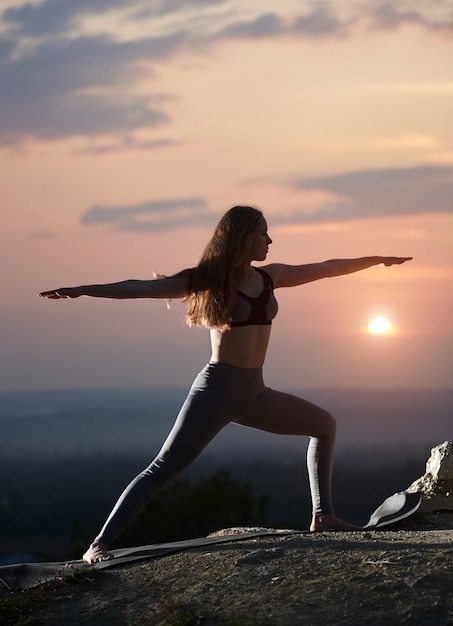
63 292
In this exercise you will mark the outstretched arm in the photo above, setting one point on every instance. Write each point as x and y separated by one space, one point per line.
172 287
293 275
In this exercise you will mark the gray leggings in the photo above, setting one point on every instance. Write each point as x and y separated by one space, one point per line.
220 394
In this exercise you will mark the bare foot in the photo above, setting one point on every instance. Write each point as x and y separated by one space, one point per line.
330 522
97 552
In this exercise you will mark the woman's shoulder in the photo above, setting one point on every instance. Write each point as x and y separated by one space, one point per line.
271 270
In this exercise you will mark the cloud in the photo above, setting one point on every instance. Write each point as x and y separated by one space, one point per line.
59 16
359 195
320 23
129 143
75 87
59 79
63 83
424 189
262 26
58 82
166 7
389 17
153 216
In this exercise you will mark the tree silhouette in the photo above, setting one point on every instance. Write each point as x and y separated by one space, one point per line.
185 510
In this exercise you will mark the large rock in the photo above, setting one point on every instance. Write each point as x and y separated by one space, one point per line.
436 486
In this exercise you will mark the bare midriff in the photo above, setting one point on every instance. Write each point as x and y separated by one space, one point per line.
243 346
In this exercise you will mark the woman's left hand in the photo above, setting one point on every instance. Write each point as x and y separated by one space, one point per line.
395 260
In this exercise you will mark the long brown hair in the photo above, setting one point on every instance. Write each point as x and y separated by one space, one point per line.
213 284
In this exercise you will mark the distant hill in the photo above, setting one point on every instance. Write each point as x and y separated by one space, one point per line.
88 421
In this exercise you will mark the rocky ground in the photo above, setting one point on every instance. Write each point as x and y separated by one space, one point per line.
398 576
402 574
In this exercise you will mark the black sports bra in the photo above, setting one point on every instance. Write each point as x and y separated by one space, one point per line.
249 311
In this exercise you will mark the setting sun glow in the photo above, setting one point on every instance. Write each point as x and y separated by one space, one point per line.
379 325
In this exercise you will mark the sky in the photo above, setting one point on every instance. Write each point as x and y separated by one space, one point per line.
127 127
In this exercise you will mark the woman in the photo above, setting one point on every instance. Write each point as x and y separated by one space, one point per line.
235 301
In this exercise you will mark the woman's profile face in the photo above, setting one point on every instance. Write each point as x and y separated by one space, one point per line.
260 242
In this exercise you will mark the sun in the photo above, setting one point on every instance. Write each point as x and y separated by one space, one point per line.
379 326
